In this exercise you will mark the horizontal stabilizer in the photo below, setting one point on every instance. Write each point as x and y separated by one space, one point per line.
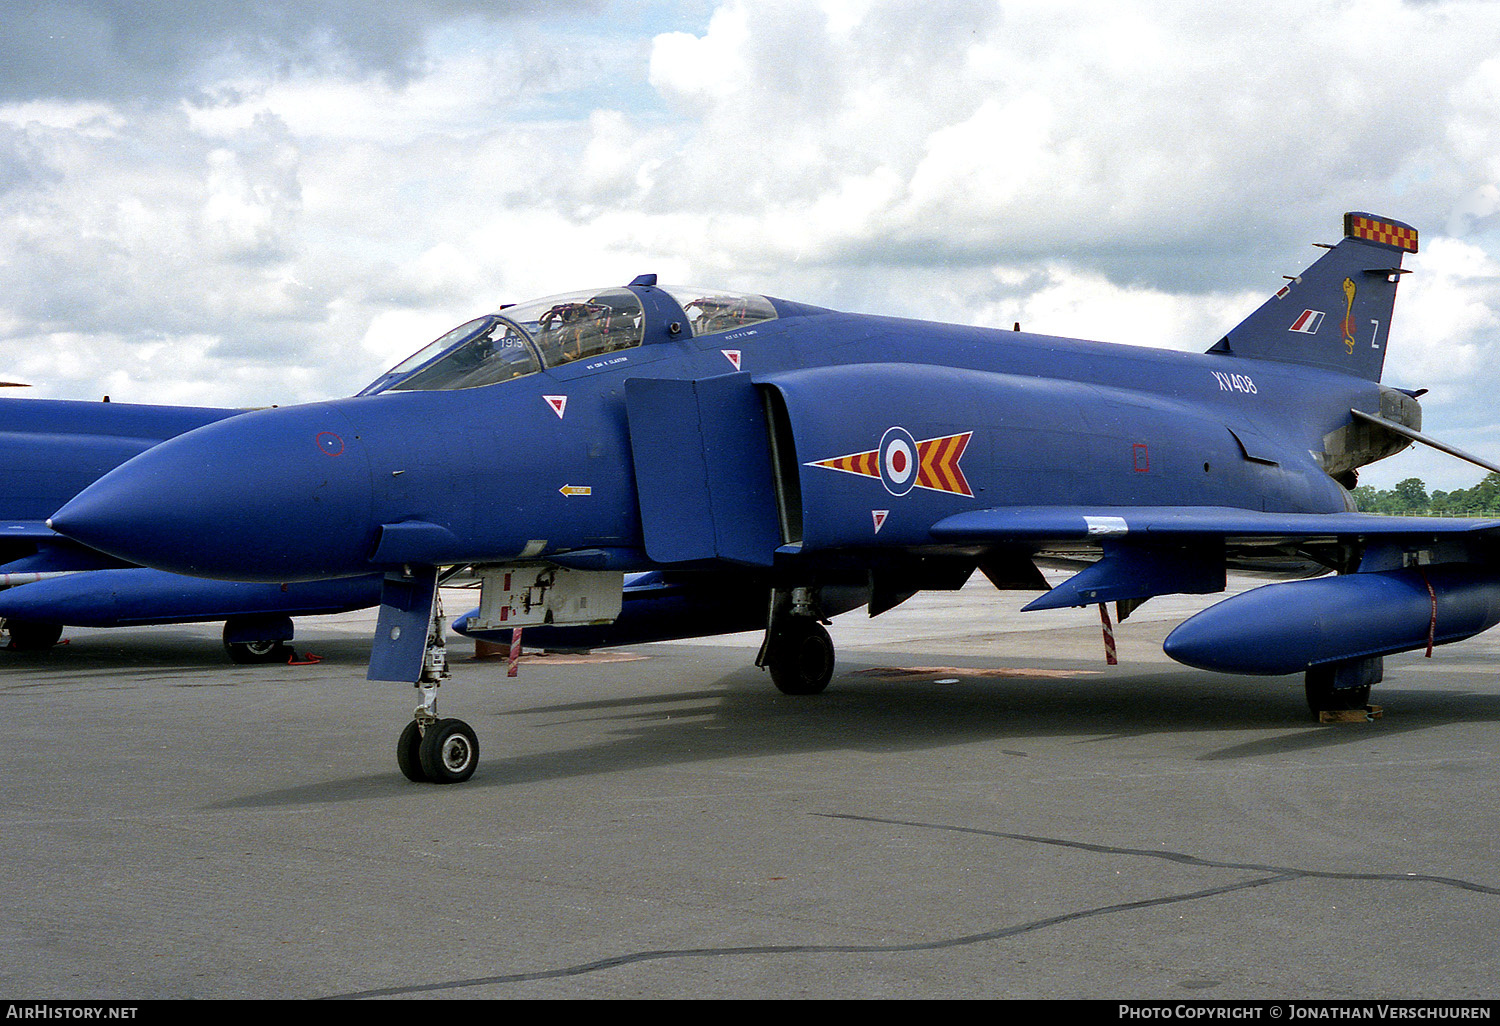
54 553
1427 440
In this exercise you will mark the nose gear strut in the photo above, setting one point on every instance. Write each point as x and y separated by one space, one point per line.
431 749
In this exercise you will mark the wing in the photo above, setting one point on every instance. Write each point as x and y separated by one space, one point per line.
1151 550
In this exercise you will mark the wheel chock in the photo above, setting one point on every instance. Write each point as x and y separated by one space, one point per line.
1366 715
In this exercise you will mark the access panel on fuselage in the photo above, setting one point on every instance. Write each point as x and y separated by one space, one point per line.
702 459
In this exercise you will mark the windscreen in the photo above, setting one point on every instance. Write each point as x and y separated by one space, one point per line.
519 340
486 351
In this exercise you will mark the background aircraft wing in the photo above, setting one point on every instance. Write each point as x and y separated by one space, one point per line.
25 529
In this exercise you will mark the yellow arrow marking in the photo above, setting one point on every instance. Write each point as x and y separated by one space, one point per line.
576 490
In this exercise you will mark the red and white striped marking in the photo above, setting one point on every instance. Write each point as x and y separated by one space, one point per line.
1109 636
515 653
1432 622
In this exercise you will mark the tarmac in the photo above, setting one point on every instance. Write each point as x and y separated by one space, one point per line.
978 807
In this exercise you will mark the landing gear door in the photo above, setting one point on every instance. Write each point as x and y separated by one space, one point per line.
406 607
530 596
702 459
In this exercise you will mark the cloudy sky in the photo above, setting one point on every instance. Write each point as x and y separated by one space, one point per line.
270 202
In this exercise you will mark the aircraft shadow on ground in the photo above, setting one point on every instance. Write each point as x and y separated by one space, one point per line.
740 715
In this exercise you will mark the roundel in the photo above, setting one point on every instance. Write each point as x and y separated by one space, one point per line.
898 461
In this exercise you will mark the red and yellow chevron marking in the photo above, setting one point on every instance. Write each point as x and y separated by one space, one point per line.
940 471
865 464
1375 230
938 457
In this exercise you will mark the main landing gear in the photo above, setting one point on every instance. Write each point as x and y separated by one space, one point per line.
800 656
797 649
1335 688
430 749
249 652
32 636
251 638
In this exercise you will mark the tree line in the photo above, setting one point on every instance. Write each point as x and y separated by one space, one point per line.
1410 498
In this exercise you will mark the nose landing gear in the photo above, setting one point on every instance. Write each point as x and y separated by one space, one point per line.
430 749
440 752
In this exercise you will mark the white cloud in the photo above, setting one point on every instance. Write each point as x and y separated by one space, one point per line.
393 335
1061 301
698 72
985 161
246 230
1447 321
1071 127
83 118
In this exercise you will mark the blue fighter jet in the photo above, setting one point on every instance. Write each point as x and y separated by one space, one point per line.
52 449
753 462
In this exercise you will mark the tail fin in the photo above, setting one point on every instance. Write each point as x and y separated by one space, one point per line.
1337 313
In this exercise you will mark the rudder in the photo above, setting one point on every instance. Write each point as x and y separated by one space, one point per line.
1337 313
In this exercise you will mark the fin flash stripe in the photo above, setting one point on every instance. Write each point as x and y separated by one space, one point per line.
1388 233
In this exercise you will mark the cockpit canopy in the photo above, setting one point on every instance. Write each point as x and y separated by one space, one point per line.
527 337
712 312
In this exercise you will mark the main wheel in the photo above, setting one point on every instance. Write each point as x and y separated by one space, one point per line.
801 657
449 752
1322 696
30 636
246 652
409 754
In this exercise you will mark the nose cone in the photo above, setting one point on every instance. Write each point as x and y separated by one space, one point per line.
274 495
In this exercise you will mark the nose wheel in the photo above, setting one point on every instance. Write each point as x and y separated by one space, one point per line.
409 754
441 752
430 749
